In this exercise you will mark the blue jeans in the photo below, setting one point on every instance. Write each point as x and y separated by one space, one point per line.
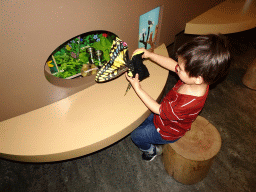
146 136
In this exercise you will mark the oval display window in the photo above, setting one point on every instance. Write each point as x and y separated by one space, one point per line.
79 57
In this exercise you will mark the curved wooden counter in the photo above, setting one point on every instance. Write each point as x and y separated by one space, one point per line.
82 123
230 16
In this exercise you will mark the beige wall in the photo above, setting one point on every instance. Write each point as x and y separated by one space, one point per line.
32 29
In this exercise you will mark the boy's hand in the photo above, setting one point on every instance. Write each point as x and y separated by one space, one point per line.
134 81
150 103
145 55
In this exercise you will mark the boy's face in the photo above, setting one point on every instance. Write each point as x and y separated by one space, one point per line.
183 75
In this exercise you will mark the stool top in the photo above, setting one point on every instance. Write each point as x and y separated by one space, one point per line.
201 143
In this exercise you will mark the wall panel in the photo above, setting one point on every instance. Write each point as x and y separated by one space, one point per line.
32 29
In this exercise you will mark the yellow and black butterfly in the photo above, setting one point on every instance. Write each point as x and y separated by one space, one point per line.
119 63
116 66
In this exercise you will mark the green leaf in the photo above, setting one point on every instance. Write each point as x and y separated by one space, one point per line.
83 57
105 45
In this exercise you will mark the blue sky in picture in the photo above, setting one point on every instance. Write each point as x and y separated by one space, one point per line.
148 19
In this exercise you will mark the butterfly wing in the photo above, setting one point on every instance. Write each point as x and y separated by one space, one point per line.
116 66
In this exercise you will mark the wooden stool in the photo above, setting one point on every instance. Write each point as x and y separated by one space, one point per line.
189 159
249 78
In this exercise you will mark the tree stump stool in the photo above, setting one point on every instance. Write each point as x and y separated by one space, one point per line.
189 159
249 78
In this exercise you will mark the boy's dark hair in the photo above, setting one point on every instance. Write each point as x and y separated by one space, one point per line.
206 56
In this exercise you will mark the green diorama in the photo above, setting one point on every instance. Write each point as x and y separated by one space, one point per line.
73 57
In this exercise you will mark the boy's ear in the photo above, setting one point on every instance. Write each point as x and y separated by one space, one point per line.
199 80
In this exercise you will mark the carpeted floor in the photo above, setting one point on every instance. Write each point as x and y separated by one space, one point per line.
230 107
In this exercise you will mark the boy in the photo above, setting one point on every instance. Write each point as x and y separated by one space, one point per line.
201 62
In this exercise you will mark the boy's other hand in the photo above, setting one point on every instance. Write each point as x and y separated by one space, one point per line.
134 81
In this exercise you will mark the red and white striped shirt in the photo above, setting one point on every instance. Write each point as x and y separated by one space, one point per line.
177 112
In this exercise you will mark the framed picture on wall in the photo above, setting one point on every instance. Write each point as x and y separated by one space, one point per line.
149 28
